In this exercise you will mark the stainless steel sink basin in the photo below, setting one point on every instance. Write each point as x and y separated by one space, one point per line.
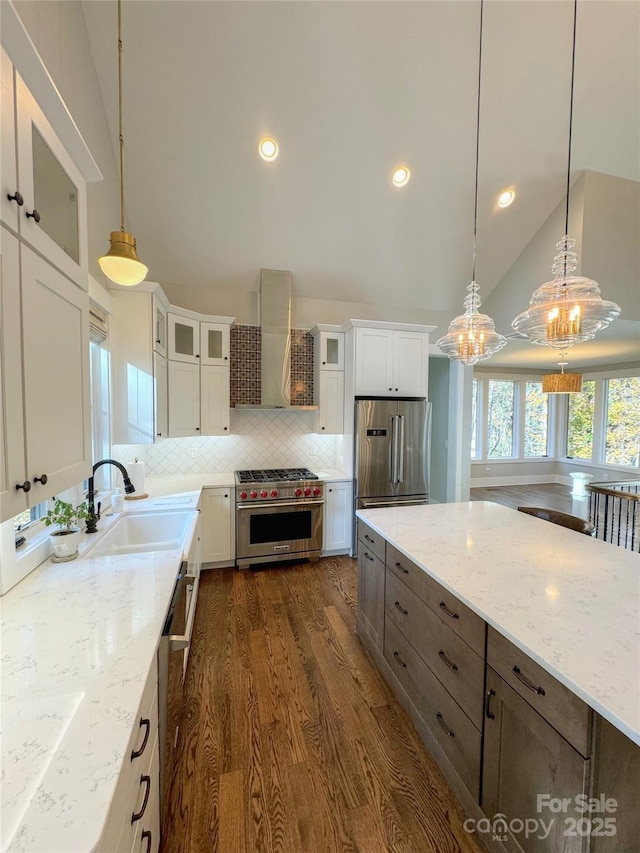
138 532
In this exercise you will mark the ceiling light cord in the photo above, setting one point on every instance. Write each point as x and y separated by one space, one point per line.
573 75
120 134
475 196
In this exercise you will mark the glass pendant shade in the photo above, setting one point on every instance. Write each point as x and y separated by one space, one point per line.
121 263
472 336
567 310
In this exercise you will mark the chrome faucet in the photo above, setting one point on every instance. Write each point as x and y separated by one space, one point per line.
94 516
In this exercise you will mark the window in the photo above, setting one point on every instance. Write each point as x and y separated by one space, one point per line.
28 516
623 421
580 422
500 401
536 420
474 421
100 395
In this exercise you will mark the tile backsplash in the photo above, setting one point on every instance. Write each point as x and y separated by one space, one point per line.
259 438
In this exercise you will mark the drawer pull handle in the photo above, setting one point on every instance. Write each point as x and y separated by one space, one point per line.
369 539
526 682
146 834
446 660
444 726
136 753
399 659
450 613
137 815
402 568
487 705
399 607
368 557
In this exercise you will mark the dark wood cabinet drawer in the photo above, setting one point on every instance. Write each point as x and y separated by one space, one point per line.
454 731
458 616
568 714
452 661
371 540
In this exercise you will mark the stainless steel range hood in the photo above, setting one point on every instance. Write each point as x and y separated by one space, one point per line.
275 325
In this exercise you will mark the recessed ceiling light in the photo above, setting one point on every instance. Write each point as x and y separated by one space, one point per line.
401 176
268 148
505 198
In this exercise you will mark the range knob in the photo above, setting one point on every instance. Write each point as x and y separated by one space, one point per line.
264 493
274 493
243 496
307 492
254 494
298 493
317 491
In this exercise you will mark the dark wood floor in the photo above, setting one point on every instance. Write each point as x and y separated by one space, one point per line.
290 739
547 495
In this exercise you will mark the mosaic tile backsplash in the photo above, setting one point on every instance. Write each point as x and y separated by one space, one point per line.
259 438
245 370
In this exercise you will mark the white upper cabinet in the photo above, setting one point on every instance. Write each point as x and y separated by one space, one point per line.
184 339
11 196
161 397
214 400
391 362
330 398
215 343
160 325
330 346
184 399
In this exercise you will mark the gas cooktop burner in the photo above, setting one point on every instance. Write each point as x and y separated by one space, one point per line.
275 475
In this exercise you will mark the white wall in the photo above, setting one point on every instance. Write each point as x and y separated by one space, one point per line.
57 28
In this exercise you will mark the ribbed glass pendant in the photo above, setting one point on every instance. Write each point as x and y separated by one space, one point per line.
472 336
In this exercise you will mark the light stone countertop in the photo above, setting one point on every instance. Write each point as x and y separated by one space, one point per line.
568 601
78 640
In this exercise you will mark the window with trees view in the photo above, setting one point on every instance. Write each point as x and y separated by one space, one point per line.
500 411
622 445
536 420
580 422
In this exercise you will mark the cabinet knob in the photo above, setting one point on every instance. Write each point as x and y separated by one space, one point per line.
390 389
197 429
158 341
324 362
330 490
225 358
17 197
43 479
226 428
26 486
197 355
226 496
34 215
396 389
159 434
322 427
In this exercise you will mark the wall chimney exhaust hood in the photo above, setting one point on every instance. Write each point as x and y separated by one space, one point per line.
275 325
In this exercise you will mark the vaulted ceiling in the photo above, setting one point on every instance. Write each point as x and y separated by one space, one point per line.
350 90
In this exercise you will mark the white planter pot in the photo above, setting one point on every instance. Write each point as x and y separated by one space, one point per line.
64 543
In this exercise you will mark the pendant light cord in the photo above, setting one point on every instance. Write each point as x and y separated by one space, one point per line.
573 74
120 135
475 199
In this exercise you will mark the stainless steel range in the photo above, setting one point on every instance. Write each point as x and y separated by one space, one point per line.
278 515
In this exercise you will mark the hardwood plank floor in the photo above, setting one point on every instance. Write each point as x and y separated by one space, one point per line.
290 740
548 495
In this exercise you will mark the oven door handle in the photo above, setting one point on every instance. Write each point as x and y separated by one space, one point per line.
275 504
177 642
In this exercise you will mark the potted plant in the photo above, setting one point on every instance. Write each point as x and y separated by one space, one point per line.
66 539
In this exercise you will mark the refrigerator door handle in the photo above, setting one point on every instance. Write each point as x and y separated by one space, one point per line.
394 449
400 451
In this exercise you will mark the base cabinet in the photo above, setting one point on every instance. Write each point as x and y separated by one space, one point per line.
338 518
371 578
217 525
525 759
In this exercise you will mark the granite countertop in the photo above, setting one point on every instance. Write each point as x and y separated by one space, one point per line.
568 601
78 641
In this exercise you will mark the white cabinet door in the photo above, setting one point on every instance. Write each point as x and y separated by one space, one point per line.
159 326
330 418
54 216
215 343
214 400
55 333
410 364
374 362
331 354
217 525
8 173
184 399
184 339
12 458
338 517
161 397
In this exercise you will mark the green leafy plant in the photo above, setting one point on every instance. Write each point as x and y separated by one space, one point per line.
66 515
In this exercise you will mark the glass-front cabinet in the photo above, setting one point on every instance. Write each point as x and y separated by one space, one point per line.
184 339
214 343
331 346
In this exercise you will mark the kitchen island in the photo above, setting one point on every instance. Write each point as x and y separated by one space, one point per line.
452 594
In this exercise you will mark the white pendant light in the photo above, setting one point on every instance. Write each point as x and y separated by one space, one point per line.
472 336
121 263
568 309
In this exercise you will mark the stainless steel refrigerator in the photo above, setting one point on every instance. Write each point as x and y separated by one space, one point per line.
392 451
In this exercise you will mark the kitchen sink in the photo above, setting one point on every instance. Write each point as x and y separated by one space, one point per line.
138 532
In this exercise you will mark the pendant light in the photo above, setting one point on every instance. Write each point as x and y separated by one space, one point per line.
569 309
121 263
472 336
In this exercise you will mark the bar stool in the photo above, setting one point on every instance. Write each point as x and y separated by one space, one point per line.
572 522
